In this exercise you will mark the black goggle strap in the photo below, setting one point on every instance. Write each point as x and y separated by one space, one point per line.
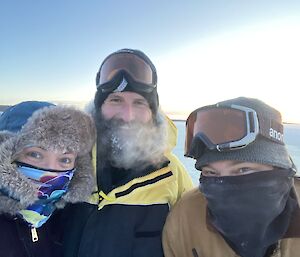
125 79
271 129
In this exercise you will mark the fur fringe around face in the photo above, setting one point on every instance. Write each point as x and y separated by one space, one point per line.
59 128
17 191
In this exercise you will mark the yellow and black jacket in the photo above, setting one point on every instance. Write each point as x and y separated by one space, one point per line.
128 220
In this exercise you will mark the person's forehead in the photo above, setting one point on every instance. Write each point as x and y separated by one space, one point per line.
127 95
233 164
224 162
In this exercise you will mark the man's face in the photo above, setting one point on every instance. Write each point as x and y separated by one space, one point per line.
127 106
233 168
128 137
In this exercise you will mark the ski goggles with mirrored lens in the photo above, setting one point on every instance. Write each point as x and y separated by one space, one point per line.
140 71
231 127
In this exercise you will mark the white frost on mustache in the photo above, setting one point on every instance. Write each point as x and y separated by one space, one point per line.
135 145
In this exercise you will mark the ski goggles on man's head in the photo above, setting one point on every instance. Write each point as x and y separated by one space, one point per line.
231 127
140 71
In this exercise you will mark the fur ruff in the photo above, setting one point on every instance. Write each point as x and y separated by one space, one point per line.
21 191
52 128
58 128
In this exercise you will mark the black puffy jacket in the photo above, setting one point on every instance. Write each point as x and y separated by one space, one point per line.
16 238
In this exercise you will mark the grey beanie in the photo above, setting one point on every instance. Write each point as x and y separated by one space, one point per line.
151 97
262 150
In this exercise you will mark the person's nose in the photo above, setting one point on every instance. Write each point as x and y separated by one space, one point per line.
52 164
127 114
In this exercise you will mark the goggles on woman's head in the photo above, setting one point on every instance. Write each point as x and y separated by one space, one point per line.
140 71
231 127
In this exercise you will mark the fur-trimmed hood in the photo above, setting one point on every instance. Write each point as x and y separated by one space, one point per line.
58 128
52 128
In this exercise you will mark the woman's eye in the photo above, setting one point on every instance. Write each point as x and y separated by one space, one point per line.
35 155
67 161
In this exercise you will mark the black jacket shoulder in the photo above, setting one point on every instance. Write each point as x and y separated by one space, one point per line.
16 238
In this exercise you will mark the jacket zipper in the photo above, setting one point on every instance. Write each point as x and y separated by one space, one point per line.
34 234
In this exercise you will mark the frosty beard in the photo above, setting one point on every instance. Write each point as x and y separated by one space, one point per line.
131 145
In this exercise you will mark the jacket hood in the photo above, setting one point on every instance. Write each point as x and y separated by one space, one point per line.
52 128
17 191
172 133
58 128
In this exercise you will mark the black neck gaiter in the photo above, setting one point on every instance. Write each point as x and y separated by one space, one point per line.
251 211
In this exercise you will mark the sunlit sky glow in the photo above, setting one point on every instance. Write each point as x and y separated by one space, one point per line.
204 51
261 61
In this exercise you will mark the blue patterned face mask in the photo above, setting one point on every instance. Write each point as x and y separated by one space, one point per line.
52 185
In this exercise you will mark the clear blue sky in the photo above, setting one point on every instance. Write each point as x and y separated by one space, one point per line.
51 50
